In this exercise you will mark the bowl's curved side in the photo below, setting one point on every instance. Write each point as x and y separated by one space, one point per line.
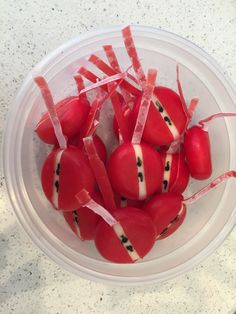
204 242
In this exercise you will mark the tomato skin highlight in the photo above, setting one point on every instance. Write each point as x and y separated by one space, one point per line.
198 153
71 111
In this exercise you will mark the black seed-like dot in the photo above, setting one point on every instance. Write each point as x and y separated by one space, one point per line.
124 239
164 231
140 175
167 167
139 162
58 169
123 198
57 185
167 119
130 248
160 108
165 184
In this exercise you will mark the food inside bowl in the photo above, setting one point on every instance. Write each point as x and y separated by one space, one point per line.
141 184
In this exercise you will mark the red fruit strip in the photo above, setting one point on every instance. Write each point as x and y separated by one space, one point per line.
106 69
90 76
132 52
105 81
214 116
111 56
148 88
214 183
192 106
119 114
84 199
100 173
80 85
47 96
93 114
97 104
174 146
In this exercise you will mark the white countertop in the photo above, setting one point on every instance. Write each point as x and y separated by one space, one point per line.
29 281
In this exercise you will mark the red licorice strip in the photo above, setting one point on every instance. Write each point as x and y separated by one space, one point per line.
97 104
93 114
174 146
148 89
106 69
100 173
119 114
80 85
214 183
85 200
111 56
105 81
132 52
215 116
192 106
90 76
47 96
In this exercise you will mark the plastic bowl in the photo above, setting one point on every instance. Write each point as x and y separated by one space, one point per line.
208 221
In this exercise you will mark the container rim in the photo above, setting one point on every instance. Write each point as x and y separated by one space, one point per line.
45 245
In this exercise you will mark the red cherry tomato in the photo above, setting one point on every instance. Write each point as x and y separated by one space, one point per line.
71 111
198 153
166 117
167 212
176 172
83 221
135 171
64 173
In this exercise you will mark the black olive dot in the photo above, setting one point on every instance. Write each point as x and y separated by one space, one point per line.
124 239
57 185
164 231
58 169
167 119
139 162
165 184
160 108
130 248
140 175
167 167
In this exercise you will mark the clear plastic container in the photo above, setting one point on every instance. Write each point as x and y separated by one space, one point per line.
208 221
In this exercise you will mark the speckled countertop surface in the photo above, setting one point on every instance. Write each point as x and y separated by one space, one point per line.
29 281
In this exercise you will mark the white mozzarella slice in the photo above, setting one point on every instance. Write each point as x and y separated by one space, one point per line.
119 231
56 179
164 114
140 172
